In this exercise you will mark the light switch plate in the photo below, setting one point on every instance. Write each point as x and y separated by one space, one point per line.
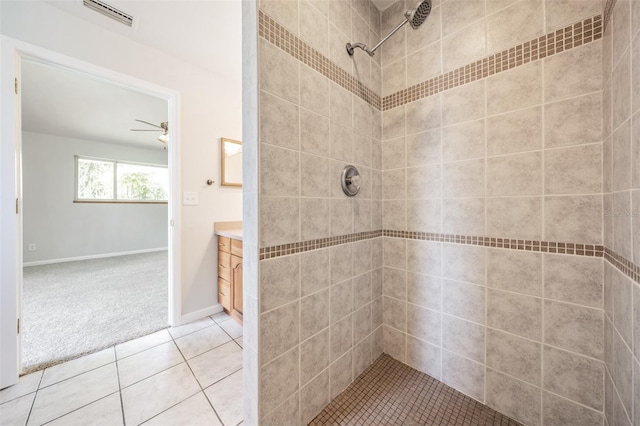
189 198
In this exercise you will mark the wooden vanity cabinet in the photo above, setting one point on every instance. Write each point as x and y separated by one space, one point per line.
230 276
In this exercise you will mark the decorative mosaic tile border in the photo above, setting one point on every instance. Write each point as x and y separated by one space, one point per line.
575 35
623 264
293 248
276 34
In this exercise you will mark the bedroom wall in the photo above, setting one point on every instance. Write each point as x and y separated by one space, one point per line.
204 119
63 229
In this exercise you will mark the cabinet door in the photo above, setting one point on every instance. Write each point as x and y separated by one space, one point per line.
236 266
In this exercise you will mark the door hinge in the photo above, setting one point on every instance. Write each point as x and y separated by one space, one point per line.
17 204
18 325
16 84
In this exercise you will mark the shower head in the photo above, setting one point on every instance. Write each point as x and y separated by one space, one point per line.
415 18
418 15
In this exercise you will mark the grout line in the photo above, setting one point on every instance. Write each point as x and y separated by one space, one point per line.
124 421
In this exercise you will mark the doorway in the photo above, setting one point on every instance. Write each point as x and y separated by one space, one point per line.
15 56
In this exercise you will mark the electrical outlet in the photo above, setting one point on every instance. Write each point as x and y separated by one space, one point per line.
189 198
32 247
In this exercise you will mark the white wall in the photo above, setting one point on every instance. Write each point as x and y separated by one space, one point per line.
210 109
63 229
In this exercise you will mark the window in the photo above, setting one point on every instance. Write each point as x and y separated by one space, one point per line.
110 180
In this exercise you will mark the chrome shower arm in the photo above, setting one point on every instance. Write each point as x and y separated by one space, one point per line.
395 30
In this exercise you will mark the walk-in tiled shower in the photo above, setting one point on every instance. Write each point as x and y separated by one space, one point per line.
495 242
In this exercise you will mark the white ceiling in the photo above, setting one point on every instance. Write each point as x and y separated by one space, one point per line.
206 33
60 102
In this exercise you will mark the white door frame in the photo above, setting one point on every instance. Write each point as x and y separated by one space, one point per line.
12 52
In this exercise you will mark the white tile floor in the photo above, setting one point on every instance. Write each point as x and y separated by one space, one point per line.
187 375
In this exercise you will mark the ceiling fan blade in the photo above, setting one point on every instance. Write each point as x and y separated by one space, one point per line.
146 122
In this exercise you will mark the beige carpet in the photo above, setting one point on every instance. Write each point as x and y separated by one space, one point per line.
73 308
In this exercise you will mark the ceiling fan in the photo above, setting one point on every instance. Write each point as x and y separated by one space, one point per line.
163 127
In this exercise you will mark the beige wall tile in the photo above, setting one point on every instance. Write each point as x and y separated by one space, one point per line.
519 174
574 170
623 372
424 324
424 357
515 217
361 290
394 214
279 331
622 217
457 14
425 63
394 77
573 279
341 217
361 323
393 154
464 141
393 125
463 216
341 300
361 257
518 357
315 314
621 28
424 290
314 356
423 115
394 313
278 380
394 184
635 69
516 24
315 133
314 91
362 356
621 158
341 104
361 116
315 182
288 410
573 218
427 33
514 270
635 152
424 148
340 15
394 343
463 338
341 142
463 103
635 223
622 305
518 400
280 281
279 72
279 122
341 335
575 72
341 263
463 179
574 328
280 219
513 313
315 271
424 182
515 132
341 374
464 46
424 215
279 170
574 121
560 13
314 397
463 374
394 252
314 27
464 263
561 411
463 300
574 377
424 257
518 88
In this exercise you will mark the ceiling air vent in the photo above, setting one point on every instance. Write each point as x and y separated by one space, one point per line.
110 11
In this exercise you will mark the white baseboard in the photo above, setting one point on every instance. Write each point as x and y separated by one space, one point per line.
92 256
193 316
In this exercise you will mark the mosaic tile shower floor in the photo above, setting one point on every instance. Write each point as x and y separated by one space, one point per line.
392 393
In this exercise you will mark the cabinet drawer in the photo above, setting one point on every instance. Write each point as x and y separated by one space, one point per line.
224 265
224 244
224 293
236 247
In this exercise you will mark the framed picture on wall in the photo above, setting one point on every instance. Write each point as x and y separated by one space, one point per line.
230 162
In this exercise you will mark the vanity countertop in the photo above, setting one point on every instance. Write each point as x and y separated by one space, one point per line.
236 234
228 229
